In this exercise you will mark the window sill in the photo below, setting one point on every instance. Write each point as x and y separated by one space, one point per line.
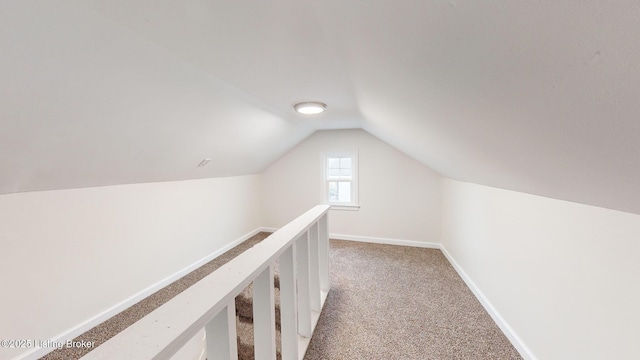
345 207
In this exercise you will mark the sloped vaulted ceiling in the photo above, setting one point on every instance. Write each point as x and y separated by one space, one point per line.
539 97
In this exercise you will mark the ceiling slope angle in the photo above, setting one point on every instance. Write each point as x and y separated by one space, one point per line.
87 102
533 97
537 97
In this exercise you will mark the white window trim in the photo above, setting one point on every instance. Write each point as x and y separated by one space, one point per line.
345 207
354 204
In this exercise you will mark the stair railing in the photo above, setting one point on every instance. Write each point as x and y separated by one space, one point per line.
302 247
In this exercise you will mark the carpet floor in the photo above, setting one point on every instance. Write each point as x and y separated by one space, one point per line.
386 302
396 302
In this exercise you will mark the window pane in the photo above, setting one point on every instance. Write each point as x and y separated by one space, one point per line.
344 192
345 174
345 163
333 173
333 163
333 191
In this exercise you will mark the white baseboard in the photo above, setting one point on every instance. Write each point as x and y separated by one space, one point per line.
377 240
114 310
517 342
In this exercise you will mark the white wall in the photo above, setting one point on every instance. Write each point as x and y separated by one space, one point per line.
563 275
69 255
399 197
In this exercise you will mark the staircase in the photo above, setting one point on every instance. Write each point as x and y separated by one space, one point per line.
244 320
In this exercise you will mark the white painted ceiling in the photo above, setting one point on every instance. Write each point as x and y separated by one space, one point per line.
539 97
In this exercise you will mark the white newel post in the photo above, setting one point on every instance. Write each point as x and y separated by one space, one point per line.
302 275
323 252
288 308
314 269
264 316
221 334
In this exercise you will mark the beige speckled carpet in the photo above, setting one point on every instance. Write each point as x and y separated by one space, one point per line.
386 302
396 302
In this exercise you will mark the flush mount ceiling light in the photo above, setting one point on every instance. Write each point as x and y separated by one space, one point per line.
310 108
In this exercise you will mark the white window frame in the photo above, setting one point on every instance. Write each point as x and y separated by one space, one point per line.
354 204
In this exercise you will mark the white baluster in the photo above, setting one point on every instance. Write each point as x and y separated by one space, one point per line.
264 317
323 252
288 307
302 275
221 334
314 270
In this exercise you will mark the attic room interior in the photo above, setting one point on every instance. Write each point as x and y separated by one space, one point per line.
497 140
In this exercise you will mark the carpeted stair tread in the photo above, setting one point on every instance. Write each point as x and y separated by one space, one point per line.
245 341
244 305
244 319
244 301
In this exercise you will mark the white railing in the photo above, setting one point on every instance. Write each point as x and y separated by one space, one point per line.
302 247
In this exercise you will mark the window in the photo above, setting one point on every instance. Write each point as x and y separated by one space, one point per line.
341 180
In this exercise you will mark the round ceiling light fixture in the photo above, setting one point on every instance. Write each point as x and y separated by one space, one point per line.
310 108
